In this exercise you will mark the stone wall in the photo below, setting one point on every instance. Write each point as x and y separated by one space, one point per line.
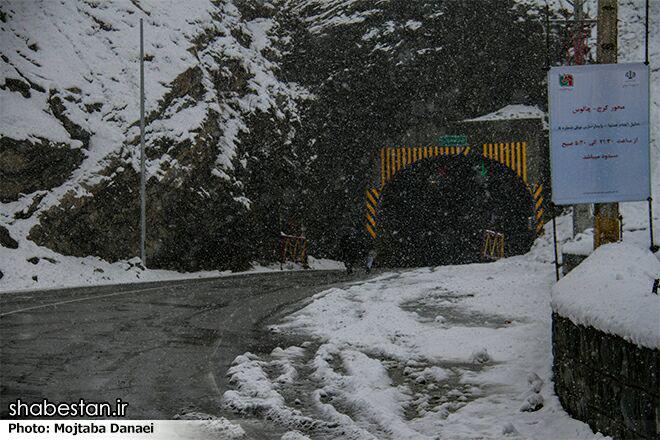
605 381
570 262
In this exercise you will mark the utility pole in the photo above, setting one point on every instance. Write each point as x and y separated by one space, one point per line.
606 222
143 223
578 32
582 218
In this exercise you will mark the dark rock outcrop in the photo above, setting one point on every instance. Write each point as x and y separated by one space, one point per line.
59 111
26 167
187 228
6 240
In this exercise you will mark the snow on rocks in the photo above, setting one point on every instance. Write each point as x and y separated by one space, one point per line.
535 382
429 374
69 79
533 399
581 244
611 291
513 112
509 429
87 52
28 119
533 402
480 356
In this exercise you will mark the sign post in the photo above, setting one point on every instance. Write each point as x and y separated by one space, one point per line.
143 226
606 215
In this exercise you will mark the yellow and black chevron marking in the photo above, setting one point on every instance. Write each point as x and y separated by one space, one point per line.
373 197
393 159
538 208
511 154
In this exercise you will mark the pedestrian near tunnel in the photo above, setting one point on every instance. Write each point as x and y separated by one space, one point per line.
349 248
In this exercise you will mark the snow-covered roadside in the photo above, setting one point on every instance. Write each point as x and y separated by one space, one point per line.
32 267
452 352
611 291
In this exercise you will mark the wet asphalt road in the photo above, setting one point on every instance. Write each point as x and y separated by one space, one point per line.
162 347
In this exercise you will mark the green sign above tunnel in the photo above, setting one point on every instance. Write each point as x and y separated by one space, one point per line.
453 140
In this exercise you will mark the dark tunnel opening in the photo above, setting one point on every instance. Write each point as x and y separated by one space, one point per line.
435 212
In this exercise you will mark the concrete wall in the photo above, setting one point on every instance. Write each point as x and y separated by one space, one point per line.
605 381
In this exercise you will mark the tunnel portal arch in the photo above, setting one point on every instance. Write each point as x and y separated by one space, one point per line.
425 193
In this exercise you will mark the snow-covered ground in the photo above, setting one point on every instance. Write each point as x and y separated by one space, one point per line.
41 268
446 352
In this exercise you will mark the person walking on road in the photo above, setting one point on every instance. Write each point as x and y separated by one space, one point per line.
371 259
349 248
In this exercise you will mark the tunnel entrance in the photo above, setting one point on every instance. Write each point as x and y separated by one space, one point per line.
435 212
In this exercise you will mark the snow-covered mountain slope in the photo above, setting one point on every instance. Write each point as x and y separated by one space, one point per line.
86 53
84 56
69 123
324 15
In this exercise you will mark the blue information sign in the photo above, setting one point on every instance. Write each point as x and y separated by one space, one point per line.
599 133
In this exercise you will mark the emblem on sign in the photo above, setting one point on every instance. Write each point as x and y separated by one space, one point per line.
566 80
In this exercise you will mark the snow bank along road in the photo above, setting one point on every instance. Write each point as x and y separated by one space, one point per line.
162 347
451 352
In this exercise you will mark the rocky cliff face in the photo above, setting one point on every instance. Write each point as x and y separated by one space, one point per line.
218 114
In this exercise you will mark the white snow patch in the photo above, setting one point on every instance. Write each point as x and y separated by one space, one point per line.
413 25
516 111
324 264
294 435
205 425
27 119
52 270
581 244
611 291
365 323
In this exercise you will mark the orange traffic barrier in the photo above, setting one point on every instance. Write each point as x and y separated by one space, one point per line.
493 245
294 249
